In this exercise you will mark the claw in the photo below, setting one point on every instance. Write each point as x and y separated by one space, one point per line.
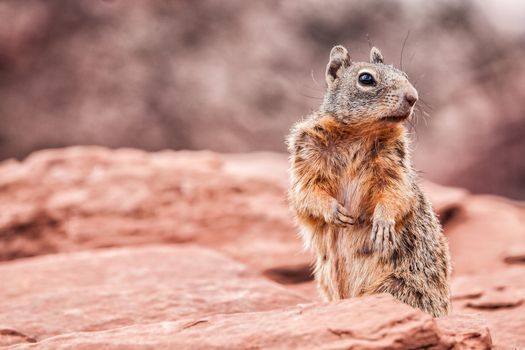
342 217
383 236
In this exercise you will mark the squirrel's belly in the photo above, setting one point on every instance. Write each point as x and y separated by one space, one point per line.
350 195
363 267
343 265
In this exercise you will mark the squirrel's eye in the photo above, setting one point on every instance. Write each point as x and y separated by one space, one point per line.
366 79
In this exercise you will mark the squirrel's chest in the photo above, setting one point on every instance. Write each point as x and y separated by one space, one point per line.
352 181
356 178
350 192
350 171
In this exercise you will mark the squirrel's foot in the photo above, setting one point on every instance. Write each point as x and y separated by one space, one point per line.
383 235
340 216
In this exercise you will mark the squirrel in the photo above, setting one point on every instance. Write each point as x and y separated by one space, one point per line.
354 193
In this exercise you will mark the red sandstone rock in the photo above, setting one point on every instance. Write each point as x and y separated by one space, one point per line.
481 235
90 197
465 331
377 322
83 198
497 297
446 201
515 254
104 289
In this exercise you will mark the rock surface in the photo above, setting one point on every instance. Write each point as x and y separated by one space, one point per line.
377 322
483 232
110 288
81 198
204 236
496 297
465 332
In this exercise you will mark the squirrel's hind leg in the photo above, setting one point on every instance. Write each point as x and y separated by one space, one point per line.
419 299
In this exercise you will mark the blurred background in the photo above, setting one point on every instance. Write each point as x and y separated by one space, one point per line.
232 76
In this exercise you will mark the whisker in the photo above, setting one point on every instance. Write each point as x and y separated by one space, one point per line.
426 114
428 105
411 58
423 114
420 107
312 88
315 81
313 97
412 130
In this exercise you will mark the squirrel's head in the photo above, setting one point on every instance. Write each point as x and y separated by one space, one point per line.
367 91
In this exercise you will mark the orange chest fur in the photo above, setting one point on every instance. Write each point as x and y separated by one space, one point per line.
357 168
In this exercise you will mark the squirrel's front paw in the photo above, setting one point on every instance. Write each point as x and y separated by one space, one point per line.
383 235
340 216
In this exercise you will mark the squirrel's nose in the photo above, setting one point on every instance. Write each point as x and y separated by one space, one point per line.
411 96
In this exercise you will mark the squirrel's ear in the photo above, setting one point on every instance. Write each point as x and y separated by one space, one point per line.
339 60
375 55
